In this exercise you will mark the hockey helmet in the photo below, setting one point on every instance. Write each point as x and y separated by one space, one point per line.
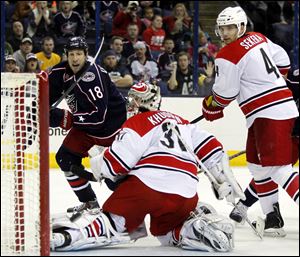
232 15
76 43
142 97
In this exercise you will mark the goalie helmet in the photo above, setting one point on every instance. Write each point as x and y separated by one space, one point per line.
76 43
232 15
142 97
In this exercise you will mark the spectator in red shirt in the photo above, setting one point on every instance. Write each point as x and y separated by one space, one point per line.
178 25
154 36
207 51
124 18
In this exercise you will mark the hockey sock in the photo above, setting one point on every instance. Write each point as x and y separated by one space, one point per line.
251 195
82 188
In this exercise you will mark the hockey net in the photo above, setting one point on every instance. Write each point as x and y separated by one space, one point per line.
24 164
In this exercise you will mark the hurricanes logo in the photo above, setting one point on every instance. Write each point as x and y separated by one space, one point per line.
89 76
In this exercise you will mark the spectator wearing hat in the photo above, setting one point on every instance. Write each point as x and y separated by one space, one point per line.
143 67
47 57
126 17
20 55
11 64
120 75
32 64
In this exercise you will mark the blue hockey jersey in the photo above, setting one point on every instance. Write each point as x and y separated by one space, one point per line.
97 106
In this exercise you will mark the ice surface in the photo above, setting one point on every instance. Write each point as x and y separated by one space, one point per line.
246 243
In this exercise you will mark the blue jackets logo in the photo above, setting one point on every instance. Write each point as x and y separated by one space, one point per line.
88 77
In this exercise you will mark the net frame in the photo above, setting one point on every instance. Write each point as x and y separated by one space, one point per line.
13 84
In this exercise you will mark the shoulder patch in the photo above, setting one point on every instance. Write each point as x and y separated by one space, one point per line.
88 77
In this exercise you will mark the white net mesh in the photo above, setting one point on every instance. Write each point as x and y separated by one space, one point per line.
20 161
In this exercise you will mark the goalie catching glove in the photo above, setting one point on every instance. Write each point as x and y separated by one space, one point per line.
225 184
210 110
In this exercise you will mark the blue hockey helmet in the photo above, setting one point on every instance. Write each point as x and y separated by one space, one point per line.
76 43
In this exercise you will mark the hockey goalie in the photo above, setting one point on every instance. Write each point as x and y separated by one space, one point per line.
158 177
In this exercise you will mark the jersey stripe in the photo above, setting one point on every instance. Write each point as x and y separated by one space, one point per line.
170 161
223 101
168 168
115 163
207 148
266 99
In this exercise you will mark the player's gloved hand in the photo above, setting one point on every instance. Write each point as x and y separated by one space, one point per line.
61 118
67 121
210 110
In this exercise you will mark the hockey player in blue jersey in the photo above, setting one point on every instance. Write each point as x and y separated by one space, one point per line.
97 111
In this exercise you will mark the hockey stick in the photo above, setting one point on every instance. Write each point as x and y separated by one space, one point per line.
230 157
210 177
197 119
79 79
236 155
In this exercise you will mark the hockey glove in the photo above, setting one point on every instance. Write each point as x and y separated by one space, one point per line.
210 110
61 118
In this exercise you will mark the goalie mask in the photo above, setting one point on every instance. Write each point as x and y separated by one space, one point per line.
229 16
142 97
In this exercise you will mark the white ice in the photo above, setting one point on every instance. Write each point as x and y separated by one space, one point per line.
246 242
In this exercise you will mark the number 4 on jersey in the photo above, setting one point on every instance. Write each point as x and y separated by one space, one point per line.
269 66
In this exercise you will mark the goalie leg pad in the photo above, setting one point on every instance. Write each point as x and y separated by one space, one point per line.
209 232
81 238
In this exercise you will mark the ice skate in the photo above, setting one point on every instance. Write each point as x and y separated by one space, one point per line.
239 213
272 225
91 206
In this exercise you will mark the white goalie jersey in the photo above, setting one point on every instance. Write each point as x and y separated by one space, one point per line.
257 85
146 148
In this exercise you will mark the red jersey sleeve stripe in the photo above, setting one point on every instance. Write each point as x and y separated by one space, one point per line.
223 101
114 163
210 145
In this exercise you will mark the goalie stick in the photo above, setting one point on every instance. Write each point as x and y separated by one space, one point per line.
79 79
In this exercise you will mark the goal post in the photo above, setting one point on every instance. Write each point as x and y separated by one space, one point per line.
25 220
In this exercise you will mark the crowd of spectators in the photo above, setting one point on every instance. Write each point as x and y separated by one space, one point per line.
274 19
144 40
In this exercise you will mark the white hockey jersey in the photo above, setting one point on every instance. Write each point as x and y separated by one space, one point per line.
147 149
248 70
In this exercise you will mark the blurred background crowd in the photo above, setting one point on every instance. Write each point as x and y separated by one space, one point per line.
144 40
